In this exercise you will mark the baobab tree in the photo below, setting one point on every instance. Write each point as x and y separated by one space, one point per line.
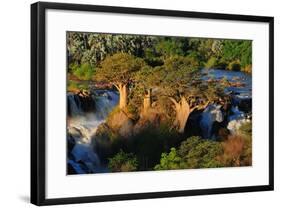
119 70
145 81
180 82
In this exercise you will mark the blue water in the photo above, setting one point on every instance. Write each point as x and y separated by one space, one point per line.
232 76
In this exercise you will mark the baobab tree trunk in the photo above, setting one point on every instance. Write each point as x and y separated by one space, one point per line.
123 93
183 110
146 102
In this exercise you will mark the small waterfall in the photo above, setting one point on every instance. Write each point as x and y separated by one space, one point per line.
74 105
80 103
241 108
105 102
211 114
237 119
82 127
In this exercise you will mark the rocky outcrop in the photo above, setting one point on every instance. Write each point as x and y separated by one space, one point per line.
79 102
152 118
121 123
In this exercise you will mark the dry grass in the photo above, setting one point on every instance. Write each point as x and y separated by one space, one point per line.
236 152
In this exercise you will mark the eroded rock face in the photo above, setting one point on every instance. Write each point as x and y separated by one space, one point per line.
121 124
141 125
151 119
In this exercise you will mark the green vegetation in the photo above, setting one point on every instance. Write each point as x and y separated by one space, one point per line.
192 153
74 86
118 70
211 63
83 72
92 49
123 162
238 148
195 152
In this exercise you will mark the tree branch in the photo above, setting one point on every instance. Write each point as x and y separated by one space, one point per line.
174 101
200 107
116 85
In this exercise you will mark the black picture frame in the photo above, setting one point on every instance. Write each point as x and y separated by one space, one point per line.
38 102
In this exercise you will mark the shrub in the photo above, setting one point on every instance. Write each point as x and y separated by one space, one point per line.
84 71
200 153
232 150
237 149
234 66
211 63
247 69
192 153
246 129
123 162
73 86
246 156
150 143
72 67
170 161
221 64
132 111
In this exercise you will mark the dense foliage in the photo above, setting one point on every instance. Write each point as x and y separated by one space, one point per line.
195 152
192 153
91 48
123 162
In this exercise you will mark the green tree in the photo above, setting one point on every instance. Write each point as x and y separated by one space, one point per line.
200 153
145 81
212 62
123 162
171 46
192 153
84 72
170 161
119 70
179 80
93 48
237 51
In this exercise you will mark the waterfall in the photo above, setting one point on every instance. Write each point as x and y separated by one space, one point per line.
74 105
80 103
105 102
82 127
241 96
211 114
237 119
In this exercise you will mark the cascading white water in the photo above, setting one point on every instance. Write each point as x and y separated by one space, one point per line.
236 120
82 127
105 102
242 93
211 114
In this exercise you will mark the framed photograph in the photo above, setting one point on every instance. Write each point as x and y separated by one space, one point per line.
134 103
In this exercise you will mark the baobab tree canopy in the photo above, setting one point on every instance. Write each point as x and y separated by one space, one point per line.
180 81
118 70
